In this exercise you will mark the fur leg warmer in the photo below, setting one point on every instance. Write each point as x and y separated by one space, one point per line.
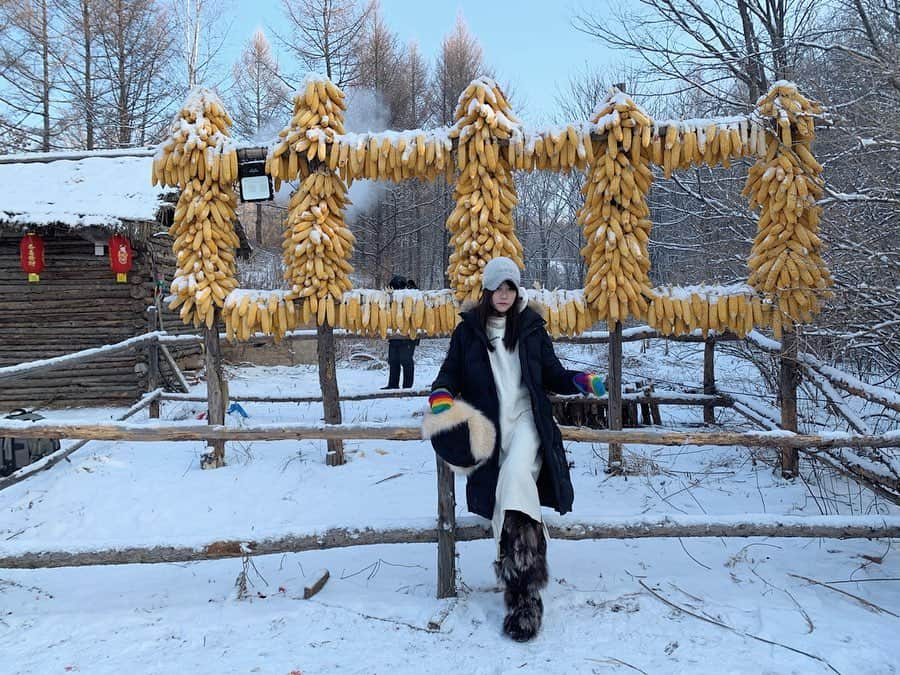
522 569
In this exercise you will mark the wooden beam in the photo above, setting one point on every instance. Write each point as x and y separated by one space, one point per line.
280 432
743 525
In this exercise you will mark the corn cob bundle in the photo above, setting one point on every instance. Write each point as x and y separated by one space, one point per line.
784 262
481 225
378 313
317 247
201 158
682 144
310 135
251 311
680 311
565 312
559 149
393 156
615 216
199 144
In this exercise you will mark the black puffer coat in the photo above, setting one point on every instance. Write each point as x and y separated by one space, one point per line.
466 373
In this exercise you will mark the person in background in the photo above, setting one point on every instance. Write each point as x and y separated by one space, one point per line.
495 381
400 349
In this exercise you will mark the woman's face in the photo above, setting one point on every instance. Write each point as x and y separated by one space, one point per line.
504 297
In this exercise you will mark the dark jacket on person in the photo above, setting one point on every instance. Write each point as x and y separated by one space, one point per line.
467 374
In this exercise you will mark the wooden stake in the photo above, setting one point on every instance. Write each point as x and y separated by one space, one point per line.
217 396
787 385
331 398
614 392
152 362
446 530
709 378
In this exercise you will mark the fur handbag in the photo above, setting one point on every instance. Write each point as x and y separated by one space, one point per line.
462 436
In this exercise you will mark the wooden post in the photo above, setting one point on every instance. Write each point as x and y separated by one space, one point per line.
259 240
789 377
152 362
446 530
614 392
709 378
217 396
331 401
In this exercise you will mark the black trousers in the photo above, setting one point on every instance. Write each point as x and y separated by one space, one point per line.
400 357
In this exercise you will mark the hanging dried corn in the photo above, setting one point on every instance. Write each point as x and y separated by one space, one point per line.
317 243
200 157
785 264
481 225
615 216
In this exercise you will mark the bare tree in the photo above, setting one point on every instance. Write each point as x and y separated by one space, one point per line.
706 44
203 27
28 71
461 60
259 98
136 45
79 74
323 35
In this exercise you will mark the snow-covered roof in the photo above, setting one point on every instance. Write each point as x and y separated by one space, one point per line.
104 189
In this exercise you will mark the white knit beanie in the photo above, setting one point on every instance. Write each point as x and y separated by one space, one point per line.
499 270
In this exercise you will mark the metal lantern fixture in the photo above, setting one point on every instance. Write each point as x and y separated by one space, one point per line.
255 185
31 250
120 257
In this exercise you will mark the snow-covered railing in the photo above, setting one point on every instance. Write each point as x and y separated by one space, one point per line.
280 432
423 530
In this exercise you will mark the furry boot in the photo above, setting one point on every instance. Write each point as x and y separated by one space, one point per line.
522 569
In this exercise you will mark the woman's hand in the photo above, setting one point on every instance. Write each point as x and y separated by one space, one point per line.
589 383
440 400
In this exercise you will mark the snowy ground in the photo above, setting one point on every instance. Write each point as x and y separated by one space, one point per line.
644 605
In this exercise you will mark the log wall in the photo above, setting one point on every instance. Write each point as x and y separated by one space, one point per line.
76 305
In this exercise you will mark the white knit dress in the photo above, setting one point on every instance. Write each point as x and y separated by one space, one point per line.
520 459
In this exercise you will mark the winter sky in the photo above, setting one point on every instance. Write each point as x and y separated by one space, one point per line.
530 44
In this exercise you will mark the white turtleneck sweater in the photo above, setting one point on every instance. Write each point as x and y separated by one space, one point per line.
520 461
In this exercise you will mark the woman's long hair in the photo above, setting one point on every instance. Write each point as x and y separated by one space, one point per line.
485 309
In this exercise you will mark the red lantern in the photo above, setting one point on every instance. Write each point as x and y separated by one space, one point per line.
31 250
120 257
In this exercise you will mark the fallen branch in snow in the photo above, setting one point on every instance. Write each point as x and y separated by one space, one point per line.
714 622
863 601
423 531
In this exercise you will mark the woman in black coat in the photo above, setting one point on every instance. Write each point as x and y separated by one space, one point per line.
490 414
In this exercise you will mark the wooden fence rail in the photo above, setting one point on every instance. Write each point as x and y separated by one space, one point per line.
469 529
281 432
